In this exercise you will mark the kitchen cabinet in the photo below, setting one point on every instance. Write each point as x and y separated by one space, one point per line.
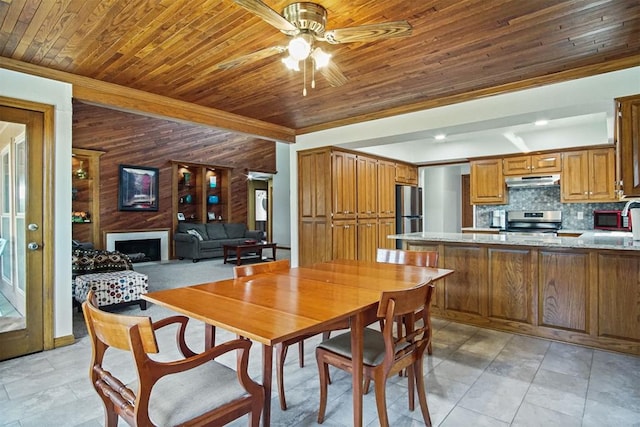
406 174
346 205
343 181
627 136
588 175
532 164
200 192
367 187
344 233
367 243
85 196
386 189
487 182
386 227
510 286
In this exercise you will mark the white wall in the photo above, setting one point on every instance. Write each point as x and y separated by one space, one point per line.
281 220
45 91
442 197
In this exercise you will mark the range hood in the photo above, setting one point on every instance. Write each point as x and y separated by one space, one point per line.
532 181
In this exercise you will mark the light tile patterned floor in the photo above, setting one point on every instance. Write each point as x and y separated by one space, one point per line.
475 377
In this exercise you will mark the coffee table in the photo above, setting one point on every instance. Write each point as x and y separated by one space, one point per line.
248 247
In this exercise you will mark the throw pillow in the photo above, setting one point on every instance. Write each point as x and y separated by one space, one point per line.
195 233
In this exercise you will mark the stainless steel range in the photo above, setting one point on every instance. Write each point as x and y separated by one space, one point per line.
533 222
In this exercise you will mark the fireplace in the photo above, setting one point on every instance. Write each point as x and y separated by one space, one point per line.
142 250
139 242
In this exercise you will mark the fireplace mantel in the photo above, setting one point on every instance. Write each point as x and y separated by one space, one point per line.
111 237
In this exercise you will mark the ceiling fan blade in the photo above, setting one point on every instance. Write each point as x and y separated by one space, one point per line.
367 33
333 74
269 15
250 57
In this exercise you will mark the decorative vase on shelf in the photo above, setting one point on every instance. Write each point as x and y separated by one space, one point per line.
187 178
81 173
188 198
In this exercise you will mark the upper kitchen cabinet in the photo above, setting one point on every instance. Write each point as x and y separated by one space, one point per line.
533 164
628 143
367 182
487 182
588 176
386 189
406 174
343 179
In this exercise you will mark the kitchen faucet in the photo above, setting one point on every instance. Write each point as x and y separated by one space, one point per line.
625 211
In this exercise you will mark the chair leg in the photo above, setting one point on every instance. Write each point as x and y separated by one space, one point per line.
380 383
301 353
411 394
365 386
281 354
323 371
422 396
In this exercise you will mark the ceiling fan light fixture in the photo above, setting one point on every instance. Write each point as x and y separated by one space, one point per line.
320 58
291 63
300 47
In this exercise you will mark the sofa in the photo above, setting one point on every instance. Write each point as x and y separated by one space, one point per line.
198 241
110 275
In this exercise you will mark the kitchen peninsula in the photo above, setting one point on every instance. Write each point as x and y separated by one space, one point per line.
582 290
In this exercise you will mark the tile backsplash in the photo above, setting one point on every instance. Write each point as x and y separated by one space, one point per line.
547 199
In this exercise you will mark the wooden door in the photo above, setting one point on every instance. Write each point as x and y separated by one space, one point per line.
344 233
602 175
367 235
386 189
23 229
628 143
546 163
366 184
575 176
467 208
386 227
487 182
520 165
343 178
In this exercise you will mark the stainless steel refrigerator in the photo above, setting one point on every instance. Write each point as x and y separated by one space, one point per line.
408 210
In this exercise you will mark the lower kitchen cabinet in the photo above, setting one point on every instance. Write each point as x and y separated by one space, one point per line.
344 234
581 296
367 238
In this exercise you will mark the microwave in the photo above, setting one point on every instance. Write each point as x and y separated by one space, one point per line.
611 220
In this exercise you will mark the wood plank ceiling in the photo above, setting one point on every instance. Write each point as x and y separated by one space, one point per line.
171 47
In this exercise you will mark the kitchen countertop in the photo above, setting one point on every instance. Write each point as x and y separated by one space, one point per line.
588 240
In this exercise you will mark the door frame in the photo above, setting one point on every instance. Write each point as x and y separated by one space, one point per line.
48 197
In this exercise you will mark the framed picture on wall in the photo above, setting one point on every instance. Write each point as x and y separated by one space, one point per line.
138 188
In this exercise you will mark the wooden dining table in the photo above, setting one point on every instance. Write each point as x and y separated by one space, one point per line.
272 307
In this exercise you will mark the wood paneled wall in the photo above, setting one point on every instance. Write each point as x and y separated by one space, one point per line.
145 141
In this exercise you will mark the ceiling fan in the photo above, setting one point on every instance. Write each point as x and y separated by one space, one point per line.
304 23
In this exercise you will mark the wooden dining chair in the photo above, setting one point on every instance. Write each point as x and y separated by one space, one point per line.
190 391
385 354
416 258
282 348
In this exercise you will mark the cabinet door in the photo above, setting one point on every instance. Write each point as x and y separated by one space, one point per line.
386 226
520 165
344 185
545 163
367 239
575 176
510 288
487 182
315 241
628 143
602 175
344 239
386 189
366 184
314 184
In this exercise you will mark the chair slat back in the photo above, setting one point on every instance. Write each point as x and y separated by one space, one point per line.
113 329
263 267
416 258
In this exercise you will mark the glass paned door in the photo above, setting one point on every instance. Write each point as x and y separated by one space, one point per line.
21 242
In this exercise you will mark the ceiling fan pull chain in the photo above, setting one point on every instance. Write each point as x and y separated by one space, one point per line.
304 77
313 77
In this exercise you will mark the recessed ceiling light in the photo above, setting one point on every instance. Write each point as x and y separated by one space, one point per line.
541 122
440 137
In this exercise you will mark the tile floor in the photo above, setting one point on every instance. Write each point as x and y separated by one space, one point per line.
475 377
